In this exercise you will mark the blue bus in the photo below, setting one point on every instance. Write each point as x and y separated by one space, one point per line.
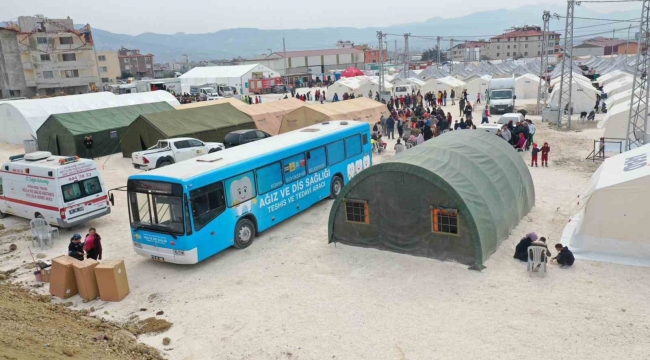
186 212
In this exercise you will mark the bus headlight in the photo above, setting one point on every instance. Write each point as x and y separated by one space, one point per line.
179 252
137 244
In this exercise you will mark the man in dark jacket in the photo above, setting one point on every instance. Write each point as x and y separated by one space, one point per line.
427 133
88 143
564 256
76 248
390 127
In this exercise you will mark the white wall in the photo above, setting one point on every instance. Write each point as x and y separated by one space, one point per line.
345 58
330 60
314 60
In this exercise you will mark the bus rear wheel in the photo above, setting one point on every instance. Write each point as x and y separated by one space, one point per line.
337 186
244 233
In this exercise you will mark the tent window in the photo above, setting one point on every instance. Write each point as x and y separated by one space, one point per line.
357 211
113 134
444 221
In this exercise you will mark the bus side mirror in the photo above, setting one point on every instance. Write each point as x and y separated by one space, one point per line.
111 199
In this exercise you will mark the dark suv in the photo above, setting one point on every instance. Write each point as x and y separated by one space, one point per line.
239 137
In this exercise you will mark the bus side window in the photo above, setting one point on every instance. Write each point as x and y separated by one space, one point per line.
294 168
207 203
316 160
240 189
335 152
269 178
353 145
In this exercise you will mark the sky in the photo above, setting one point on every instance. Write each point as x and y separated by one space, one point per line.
172 16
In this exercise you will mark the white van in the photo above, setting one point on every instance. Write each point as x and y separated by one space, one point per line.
402 90
514 117
65 191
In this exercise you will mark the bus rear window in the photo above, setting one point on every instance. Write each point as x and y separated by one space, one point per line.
81 189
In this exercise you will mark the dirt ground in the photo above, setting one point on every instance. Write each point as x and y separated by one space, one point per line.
291 295
32 328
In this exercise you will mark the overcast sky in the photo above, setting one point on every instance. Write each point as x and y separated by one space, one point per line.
171 16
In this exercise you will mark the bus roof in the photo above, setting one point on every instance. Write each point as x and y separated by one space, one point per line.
190 168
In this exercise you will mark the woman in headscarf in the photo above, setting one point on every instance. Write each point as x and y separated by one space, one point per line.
521 250
420 139
521 144
428 134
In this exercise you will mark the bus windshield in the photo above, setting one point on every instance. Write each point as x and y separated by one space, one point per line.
501 95
156 212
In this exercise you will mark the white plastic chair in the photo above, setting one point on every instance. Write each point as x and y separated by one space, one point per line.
43 231
536 257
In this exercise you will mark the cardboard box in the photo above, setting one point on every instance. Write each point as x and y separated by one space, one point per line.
62 280
84 272
112 281
45 275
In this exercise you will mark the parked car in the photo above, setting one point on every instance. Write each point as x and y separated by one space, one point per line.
281 89
239 137
169 151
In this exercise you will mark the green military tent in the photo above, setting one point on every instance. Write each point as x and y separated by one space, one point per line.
207 123
455 197
63 134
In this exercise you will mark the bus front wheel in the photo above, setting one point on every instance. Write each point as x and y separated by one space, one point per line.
244 234
337 186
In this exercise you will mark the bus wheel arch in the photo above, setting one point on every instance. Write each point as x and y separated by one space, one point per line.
336 186
245 232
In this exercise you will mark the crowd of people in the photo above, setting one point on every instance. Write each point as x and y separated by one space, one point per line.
521 136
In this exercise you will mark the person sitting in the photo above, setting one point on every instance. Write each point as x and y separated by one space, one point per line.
541 243
399 147
564 256
522 143
521 250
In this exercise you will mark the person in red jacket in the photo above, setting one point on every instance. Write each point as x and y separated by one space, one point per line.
545 150
93 245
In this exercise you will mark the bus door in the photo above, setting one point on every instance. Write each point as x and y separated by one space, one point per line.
208 203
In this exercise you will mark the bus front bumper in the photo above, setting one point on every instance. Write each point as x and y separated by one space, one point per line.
167 255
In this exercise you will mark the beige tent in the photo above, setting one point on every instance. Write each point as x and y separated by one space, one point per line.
267 116
361 109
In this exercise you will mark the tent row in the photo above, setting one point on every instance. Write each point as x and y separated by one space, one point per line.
20 119
133 128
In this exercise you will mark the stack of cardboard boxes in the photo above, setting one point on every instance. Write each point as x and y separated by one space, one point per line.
89 279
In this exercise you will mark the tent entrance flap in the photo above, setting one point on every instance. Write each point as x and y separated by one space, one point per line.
58 147
142 145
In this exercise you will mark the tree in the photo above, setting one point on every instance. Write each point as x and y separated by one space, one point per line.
432 55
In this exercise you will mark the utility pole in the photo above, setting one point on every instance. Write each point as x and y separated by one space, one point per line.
567 70
451 55
396 55
627 44
438 48
638 122
542 90
284 55
380 38
407 65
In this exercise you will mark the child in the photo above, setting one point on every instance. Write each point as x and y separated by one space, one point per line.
534 154
545 150
478 98
76 248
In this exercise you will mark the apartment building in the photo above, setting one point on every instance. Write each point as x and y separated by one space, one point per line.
468 51
311 64
41 56
109 67
525 41
138 65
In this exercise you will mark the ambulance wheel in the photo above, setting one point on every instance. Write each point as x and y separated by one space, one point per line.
244 233
336 187
2 215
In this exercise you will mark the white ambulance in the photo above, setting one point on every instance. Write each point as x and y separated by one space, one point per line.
65 191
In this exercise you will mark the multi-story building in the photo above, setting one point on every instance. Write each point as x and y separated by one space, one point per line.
468 51
371 56
311 65
41 56
605 46
525 41
109 67
138 65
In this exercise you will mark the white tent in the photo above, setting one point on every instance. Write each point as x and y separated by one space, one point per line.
583 96
527 86
358 85
611 223
148 97
237 76
618 98
446 83
617 86
416 83
576 76
19 119
615 121
612 76
477 85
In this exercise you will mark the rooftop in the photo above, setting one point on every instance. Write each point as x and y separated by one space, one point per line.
301 53
524 33
602 42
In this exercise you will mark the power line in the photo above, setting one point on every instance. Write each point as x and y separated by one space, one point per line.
596 19
609 1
